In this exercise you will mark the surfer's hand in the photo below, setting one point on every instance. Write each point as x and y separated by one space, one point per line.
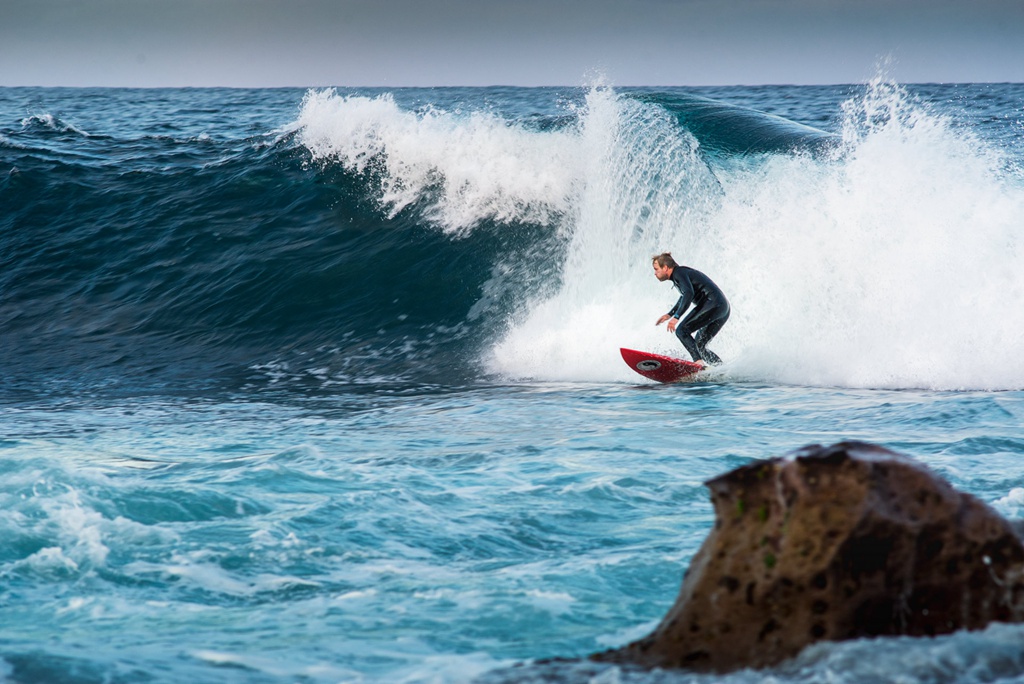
662 319
672 324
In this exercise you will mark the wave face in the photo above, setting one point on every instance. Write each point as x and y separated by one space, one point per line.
866 236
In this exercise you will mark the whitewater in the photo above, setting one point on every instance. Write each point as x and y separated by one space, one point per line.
324 385
885 261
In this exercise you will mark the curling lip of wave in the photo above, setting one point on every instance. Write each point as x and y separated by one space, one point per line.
727 129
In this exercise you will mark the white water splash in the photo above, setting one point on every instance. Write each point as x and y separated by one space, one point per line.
896 263
893 263
644 185
465 168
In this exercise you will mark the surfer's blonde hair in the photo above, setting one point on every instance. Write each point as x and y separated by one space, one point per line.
664 259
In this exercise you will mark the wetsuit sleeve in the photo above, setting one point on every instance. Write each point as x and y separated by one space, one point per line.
685 297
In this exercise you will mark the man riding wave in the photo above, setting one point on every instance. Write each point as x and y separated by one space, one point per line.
710 307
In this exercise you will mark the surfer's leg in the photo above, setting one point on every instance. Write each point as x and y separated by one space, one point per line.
706 322
702 338
688 342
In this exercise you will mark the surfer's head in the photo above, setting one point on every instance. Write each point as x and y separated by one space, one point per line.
664 264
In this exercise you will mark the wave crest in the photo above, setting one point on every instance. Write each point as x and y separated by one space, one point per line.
465 168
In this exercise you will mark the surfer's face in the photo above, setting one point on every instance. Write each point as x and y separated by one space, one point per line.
662 272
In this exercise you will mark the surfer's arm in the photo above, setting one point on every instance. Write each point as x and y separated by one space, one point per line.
686 295
680 307
672 321
666 317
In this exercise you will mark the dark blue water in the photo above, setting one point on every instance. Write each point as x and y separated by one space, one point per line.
325 386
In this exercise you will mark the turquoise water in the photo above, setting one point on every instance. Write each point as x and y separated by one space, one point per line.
325 387
415 535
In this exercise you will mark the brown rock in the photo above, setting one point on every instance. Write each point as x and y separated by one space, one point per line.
833 543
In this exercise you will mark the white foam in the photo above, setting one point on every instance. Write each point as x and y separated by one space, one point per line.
80 529
195 570
465 167
644 185
53 123
51 561
895 263
1011 505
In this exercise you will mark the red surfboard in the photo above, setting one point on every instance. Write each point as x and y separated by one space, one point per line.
658 367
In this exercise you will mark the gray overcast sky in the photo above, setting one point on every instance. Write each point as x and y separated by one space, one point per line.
514 42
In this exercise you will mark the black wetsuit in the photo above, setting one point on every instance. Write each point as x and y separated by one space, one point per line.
710 312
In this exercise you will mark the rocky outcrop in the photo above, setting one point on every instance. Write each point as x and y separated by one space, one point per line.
832 543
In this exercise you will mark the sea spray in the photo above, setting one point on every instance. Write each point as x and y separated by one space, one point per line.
879 259
464 167
883 264
643 185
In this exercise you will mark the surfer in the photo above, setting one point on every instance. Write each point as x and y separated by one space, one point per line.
710 307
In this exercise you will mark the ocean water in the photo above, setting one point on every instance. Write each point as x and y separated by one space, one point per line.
324 386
